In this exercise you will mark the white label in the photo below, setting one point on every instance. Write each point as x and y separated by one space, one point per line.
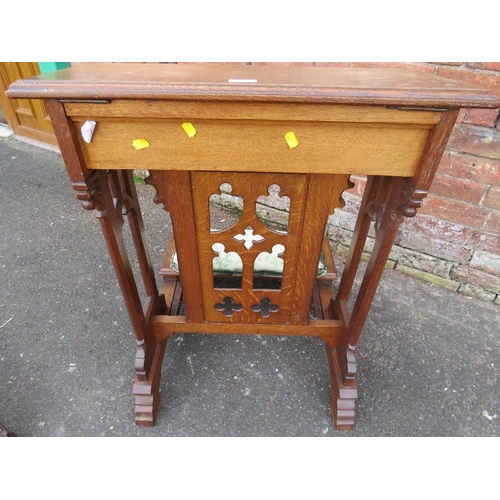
242 80
88 130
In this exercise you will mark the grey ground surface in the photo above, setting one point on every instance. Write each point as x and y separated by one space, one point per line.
428 359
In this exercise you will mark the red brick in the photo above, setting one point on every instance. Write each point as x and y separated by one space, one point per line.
466 274
437 228
484 117
458 189
437 248
424 67
486 261
347 220
492 223
491 66
472 168
492 199
485 241
352 202
359 185
455 211
491 80
480 141
426 263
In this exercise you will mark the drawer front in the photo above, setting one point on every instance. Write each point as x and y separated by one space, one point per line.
257 146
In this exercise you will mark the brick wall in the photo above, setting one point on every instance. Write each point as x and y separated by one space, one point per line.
454 241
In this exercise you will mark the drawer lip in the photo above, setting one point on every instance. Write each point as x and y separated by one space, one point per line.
139 110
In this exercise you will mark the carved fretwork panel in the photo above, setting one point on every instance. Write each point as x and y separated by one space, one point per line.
249 241
266 267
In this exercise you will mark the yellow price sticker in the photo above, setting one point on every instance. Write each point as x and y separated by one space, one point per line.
189 129
291 140
140 143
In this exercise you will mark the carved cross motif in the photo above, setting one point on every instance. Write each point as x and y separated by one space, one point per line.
249 238
228 307
266 307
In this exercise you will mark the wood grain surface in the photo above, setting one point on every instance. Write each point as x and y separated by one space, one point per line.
254 83
258 147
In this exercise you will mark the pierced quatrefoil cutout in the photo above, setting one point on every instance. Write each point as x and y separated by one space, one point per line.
248 239
225 208
274 210
228 307
265 308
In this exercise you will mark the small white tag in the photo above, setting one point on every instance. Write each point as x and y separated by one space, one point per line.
241 80
88 130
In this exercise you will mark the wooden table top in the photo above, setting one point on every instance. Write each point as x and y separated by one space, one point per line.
376 86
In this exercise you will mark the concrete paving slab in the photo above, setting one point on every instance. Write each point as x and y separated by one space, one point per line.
428 359
5 131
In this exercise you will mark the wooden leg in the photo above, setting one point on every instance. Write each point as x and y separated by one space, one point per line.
342 382
111 194
147 395
382 204
386 212
344 392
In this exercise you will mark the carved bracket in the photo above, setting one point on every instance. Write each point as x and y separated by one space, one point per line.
87 191
413 199
397 195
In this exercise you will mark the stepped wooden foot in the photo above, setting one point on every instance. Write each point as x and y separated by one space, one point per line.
343 387
147 394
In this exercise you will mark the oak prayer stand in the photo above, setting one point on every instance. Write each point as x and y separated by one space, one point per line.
291 132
